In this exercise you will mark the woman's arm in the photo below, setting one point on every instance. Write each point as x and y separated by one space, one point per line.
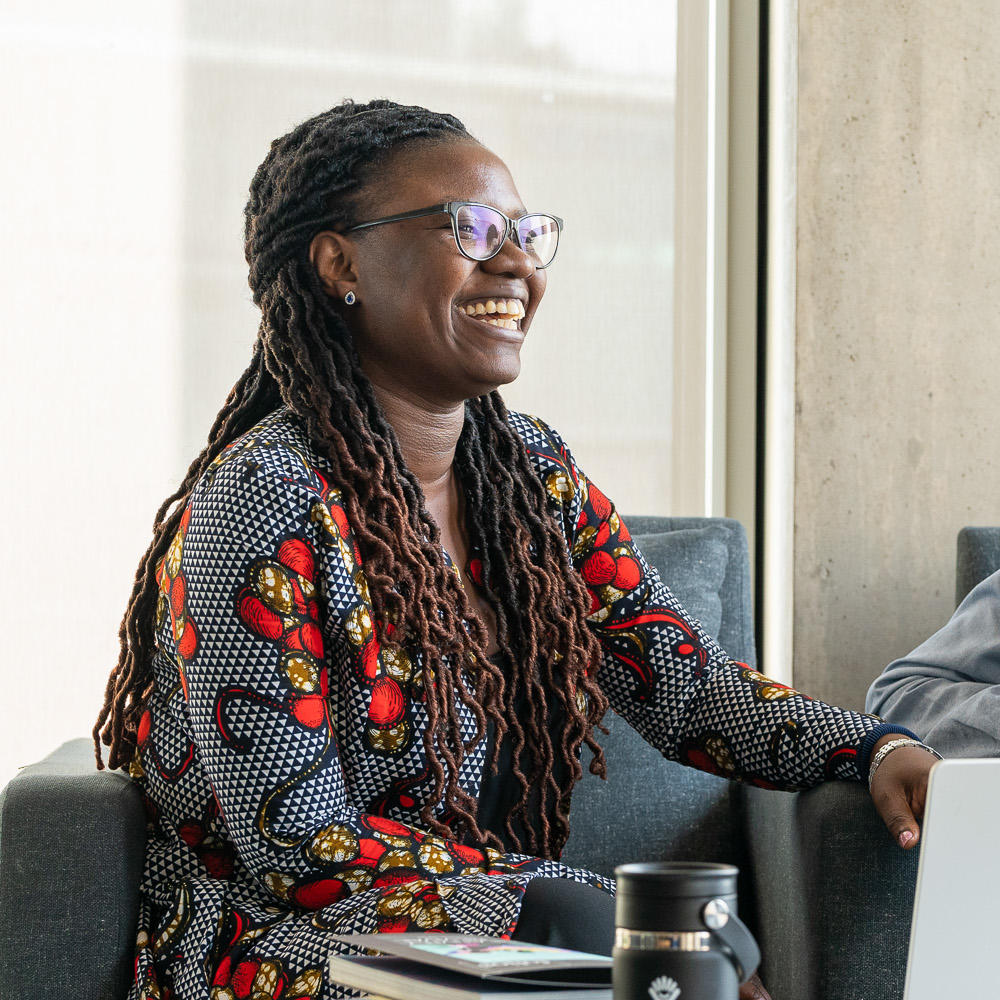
678 688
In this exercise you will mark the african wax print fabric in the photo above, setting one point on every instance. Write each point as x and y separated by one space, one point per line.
281 755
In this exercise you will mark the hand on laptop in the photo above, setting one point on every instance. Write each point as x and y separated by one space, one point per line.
899 789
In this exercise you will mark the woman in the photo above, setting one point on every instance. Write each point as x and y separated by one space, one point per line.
365 648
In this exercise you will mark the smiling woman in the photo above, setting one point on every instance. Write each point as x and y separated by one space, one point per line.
382 615
411 323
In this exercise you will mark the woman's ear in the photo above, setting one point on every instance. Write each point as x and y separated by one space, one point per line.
331 255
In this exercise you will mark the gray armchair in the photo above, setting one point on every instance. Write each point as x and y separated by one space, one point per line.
978 558
826 890
835 894
71 853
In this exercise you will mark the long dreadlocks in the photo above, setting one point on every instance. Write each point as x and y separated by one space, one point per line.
304 358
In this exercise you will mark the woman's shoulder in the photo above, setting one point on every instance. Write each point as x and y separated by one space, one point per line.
545 446
537 434
276 451
552 462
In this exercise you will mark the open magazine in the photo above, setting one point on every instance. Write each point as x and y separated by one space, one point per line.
468 967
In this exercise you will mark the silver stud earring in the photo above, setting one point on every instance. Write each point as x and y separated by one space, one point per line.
350 298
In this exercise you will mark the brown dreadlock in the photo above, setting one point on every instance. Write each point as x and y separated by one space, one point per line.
304 358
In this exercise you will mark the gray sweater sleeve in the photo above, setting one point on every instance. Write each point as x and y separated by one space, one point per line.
948 688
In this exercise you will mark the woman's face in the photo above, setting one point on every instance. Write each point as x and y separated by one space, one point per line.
410 323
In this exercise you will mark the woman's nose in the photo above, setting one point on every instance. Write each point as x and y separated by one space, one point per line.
511 260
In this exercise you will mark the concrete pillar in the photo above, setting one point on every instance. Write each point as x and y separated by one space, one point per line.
898 324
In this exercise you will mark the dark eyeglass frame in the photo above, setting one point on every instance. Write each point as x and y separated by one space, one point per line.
452 207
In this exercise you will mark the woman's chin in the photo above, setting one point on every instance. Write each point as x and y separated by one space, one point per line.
500 374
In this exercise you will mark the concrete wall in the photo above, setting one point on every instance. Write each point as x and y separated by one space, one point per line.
898 343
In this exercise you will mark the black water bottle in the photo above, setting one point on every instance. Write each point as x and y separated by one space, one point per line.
677 936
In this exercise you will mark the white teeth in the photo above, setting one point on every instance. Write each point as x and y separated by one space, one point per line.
510 309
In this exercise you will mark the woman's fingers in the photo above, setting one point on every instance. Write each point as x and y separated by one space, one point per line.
919 799
899 791
896 814
753 989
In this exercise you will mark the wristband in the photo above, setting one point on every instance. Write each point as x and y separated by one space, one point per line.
887 749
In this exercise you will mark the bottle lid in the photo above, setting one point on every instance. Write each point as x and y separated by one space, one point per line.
677 879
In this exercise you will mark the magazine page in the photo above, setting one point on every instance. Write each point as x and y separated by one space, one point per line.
486 957
385 977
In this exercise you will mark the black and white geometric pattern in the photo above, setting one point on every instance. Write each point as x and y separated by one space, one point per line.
281 756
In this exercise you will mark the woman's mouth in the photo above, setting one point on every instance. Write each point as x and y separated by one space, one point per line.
503 313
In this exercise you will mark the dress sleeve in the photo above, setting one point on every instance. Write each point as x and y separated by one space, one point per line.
260 559
948 688
674 683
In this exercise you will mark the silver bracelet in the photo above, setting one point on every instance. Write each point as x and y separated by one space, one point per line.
887 748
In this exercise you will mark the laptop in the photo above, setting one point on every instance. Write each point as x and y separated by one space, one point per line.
955 936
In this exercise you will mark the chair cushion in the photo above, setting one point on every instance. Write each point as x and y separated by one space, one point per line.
651 808
692 562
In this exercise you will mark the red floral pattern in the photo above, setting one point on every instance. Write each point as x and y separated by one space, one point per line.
282 757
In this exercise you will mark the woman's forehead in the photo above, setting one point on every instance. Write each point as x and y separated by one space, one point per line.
431 173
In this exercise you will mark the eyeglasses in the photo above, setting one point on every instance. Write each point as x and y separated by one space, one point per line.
480 231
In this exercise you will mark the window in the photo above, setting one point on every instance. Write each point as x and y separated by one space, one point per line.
140 127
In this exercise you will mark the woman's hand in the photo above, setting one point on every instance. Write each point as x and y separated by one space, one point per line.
753 989
899 790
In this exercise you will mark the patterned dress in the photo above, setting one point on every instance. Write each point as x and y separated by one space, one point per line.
281 756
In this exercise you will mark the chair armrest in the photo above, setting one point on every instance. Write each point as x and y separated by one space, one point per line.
834 894
651 809
72 840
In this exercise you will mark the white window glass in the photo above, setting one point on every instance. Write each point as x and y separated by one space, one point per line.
132 132
581 107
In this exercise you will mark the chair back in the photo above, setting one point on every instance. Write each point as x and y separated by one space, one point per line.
652 809
978 558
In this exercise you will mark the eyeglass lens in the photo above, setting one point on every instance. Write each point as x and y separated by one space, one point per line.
482 229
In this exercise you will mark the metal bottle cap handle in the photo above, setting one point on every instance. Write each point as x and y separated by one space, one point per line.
737 942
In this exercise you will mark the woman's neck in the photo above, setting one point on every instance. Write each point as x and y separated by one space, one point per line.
428 436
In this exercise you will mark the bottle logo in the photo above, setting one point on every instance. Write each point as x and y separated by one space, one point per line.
664 988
